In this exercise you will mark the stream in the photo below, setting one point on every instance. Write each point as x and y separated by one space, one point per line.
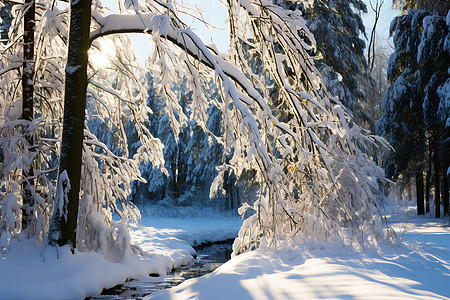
209 257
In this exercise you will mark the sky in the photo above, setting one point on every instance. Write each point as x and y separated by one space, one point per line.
215 13
386 16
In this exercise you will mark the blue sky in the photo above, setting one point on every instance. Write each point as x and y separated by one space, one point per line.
386 16
216 14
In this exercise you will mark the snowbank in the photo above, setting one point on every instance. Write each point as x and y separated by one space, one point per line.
30 272
196 230
420 269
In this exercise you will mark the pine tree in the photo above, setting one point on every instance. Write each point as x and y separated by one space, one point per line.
204 154
5 20
339 55
418 69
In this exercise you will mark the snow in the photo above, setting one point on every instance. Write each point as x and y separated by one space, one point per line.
62 194
72 69
30 272
195 230
418 269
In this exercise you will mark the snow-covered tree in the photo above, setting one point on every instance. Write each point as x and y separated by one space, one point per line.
309 151
18 126
114 92
5 20
414 115
314 181
339 54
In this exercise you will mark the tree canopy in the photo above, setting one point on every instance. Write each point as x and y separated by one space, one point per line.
314 181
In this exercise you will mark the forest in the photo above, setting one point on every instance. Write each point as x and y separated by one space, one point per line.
308 138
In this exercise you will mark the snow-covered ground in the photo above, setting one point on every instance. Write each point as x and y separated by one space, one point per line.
30 272
420 269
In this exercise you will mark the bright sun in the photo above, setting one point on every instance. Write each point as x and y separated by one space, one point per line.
102 53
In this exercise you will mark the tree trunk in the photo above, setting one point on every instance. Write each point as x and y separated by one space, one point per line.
419 192
445 192
64 223
437 175
446 162
398 192
409 197
27 107
226 188
428 178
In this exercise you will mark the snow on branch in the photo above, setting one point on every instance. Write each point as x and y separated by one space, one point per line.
307 148
187 40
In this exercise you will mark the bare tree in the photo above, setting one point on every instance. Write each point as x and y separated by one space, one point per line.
373 35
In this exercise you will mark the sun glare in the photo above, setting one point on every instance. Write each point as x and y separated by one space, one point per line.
101 54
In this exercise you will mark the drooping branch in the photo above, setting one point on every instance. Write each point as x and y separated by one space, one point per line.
188 41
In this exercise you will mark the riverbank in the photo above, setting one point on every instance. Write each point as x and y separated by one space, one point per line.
34 272
418 269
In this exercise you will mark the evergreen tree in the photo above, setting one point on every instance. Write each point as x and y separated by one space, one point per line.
190 159
5 20
418 72
339 55
204 154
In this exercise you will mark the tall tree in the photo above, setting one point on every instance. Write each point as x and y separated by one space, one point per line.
376 8
242 124
64 220
412 118
338 29
28 104
277 45
17 125
101 191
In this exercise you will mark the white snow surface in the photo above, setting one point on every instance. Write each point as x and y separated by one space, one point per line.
30 272
419 269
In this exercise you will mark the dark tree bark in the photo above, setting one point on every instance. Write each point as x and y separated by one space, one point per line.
445 191
62 229
27 105
428 178
419 189
437 175
446 163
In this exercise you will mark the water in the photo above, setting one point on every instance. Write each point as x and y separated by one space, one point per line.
209 257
